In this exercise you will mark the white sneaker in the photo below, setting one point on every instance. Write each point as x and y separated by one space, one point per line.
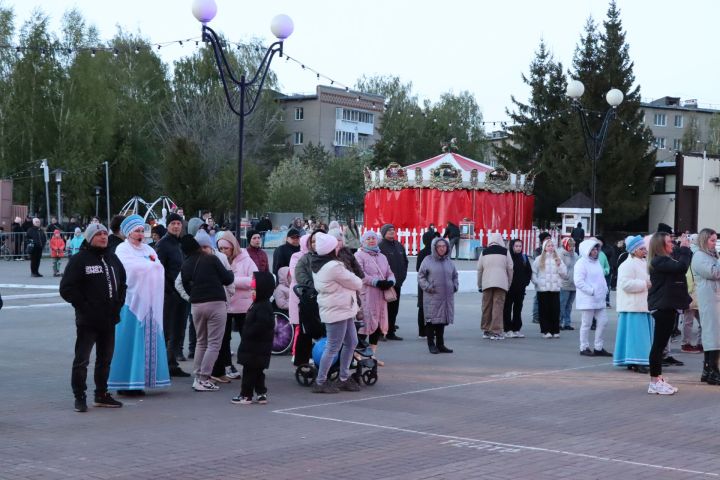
556 335
519 335
660 388
205 386
496 336
486 334
675 389
547 335
231 372
510 335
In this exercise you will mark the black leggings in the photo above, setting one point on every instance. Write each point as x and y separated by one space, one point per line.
711 359
664 325
224 358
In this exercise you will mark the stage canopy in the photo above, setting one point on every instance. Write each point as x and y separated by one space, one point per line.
448 187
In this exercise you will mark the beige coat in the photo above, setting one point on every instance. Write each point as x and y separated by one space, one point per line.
495 268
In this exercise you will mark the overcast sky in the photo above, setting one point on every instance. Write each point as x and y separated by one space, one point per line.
439 46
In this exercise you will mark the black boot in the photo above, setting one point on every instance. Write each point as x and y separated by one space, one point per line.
430 333
440 333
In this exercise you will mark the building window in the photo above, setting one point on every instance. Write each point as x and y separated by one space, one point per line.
677 144
354 115
670 181
660 142
660 120
679 121
345 139
298 138
363 140
659 184
299 114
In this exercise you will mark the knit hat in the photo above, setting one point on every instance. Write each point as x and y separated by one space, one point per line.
633 242
384 229
496 238
129 224
173 217
334 224
92 230
664 227
56 232
325 243
566 243
203 239
159 229
189 245
367 235
337 233
194 225
250 234
77 230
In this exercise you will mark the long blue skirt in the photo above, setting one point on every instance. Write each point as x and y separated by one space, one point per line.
140 358
634 338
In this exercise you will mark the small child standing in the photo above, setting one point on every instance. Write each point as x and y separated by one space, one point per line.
282 291
257 339
57 252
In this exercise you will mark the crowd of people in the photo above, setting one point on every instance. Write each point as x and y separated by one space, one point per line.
133 300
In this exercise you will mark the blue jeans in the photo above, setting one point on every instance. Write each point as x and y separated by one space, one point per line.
567 297
339 334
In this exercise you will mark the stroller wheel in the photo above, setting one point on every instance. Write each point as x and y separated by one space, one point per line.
370 377
284 334
305 374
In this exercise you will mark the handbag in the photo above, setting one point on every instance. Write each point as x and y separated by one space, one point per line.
29 246
389 295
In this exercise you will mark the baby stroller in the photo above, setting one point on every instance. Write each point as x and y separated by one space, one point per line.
364 366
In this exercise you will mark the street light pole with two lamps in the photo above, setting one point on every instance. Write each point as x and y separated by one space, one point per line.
282 27
594 140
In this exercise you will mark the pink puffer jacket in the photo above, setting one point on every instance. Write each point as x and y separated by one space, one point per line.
243 268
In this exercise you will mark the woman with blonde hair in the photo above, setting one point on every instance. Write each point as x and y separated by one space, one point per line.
706 269
668 294
548 272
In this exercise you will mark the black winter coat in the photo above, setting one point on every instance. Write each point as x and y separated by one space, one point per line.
281 256
37 236
669 290
397 259
94 282
259 328
203 278
171 257
522 272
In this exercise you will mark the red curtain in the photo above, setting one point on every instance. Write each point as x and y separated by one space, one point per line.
418 207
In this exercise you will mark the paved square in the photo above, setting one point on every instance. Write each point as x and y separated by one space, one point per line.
517 408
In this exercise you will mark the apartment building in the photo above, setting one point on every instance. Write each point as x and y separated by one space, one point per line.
338 119
669 118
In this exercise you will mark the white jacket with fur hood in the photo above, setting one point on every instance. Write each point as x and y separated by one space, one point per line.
590 283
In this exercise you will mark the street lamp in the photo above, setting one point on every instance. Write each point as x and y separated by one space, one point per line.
282 27
594 141
58 180
98 189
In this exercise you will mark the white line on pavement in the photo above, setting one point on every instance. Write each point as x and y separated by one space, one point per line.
21 285
31 295
37 305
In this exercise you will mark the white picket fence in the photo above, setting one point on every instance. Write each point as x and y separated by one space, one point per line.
412 239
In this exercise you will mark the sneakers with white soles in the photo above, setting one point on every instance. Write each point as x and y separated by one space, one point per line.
660 388
205 386
519 335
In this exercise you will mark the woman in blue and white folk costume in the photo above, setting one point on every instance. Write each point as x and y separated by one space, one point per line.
140 359
635 325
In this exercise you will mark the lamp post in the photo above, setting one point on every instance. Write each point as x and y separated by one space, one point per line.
249 89
46 175
58 180
98 189
594 140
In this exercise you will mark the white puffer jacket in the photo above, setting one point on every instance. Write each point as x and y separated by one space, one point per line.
632 285
336 287
590 283
550 277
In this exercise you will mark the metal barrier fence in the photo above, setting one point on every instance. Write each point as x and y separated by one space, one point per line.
13 245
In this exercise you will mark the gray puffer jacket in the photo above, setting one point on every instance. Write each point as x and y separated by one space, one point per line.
438 279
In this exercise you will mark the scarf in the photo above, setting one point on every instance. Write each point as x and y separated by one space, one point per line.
145 282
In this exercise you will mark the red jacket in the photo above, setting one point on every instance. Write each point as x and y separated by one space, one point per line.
57 247
260 258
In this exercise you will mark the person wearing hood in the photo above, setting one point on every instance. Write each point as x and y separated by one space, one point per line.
398 261
590 297
668 294
76 242
282 254
257 340
140 359
300 274
548 274
494 276
281 295
238 302
337 288
634 325
522 274
427 239
254 249
35 239
95 284
706 271
376 277
567 290
57 252
438 279
204 278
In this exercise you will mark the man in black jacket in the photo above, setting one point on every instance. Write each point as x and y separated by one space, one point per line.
175 309
452 233
116 237
397 258
35 242
94 283
282 254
